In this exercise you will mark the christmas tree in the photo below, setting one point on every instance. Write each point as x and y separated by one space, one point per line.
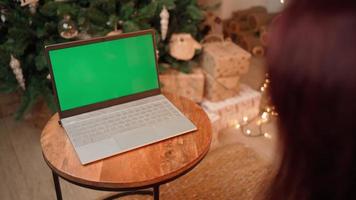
26 26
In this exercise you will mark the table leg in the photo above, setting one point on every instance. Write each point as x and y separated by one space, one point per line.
57 186
156 192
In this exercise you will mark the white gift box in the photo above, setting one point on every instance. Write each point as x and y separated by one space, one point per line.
227 113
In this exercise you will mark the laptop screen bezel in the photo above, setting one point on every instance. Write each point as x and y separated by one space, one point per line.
106 103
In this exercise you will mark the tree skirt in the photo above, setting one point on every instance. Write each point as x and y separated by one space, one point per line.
229 172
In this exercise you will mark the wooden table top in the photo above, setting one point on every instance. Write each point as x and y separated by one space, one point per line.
141 167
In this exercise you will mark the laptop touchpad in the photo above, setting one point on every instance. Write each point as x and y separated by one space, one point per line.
103 148
136 137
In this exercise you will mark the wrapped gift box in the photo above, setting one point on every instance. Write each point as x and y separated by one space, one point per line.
221 88
216 127
232 110
221 59
223 64
187 85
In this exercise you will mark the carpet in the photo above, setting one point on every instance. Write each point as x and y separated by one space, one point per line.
230 172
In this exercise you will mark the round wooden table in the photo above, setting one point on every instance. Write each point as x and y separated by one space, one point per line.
136 170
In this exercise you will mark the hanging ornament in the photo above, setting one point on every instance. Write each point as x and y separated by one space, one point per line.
28 2
16 69
3 18
182 46
2 21
164 22
33 7
3 13
33 4
67 28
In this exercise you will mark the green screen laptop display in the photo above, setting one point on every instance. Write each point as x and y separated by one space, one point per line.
103 71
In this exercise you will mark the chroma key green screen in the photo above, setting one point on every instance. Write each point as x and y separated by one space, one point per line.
101 71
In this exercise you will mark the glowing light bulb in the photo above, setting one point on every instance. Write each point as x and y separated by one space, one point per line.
264 116
282 1
267 135
245 119
274 113
258 122
248 132
237 126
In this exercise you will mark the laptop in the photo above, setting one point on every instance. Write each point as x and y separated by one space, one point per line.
108 95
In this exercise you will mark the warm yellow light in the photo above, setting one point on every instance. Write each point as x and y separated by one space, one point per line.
274 113
267 135
248 132
282 1
237 126
245 118
258 122
264 116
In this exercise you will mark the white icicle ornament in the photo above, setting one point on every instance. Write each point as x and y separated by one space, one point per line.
182 46
164 22
16 69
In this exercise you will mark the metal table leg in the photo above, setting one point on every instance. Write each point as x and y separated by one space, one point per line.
123 194
57 186
156 192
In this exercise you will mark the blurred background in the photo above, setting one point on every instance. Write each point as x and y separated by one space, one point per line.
210 51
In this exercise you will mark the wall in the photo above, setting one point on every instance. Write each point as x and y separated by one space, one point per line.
228 6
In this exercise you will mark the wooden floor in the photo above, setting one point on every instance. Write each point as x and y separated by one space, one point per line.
23 172
25 176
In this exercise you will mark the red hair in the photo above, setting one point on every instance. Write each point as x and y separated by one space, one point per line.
312 65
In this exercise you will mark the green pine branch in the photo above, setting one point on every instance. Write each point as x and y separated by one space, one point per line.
24 34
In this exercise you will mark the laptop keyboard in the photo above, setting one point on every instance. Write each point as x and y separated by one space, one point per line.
100 127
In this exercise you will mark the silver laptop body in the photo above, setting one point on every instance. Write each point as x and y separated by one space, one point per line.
104 129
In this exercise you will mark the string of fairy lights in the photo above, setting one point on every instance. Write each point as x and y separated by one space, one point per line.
267 111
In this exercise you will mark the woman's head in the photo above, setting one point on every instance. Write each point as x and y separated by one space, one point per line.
312 65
